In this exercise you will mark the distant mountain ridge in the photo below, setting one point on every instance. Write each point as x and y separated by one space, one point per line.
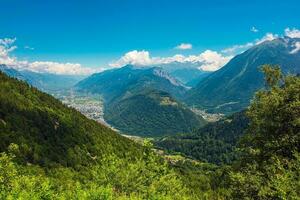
186 72
141 101
44 81
230 89
115 82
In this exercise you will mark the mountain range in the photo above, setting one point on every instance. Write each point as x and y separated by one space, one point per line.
149 100
114 83
188 73
142 101
231 88
51 151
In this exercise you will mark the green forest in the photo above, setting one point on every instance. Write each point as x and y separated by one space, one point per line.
151 113
215 142
50 151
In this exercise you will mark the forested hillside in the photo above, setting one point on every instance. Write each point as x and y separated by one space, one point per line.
151 113
49 151
231 88
142 101
48 132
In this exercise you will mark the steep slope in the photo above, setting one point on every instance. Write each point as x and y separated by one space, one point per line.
231 88
151 113
214 142
43 81
114 83
50 151
49 133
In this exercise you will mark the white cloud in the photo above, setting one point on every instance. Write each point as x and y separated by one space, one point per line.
208 60
212 61
6 47
292 33
5 58
237 48
59 68
297 48
267 37
7 41
135 58
28 47
184 46
254 30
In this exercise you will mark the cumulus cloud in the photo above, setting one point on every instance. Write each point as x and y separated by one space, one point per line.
7 41
292 33
296 49
212 61
59 68
208 60
254 30
184 46
267 37
6 47
133 57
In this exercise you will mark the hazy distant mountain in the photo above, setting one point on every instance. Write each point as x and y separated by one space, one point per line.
12 72
43 81
52 82
114 83
231 88
151 113
188 73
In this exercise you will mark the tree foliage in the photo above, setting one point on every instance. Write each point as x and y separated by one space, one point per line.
269 168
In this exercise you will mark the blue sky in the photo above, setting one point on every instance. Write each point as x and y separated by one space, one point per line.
96 33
